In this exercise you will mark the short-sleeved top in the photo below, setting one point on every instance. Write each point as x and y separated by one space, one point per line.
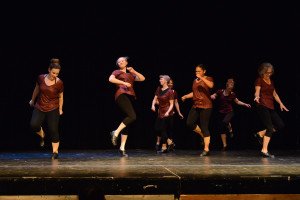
266 97
164 97
126 77
48 97
201 94
225 102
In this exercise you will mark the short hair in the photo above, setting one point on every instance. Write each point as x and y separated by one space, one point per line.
202 66
264 67
125 57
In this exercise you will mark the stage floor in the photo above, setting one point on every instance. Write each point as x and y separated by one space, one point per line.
145 172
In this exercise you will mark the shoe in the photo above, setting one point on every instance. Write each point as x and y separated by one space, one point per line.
171 147
42 142
231 134
162 151
259 138
225 148
113 138
123 153
266 155
157 148
204 153
54 156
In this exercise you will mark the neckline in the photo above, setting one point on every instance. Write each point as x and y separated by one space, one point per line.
267 82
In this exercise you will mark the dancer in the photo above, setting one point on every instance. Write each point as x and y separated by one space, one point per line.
264 96
171 129
124 78
49 93
225 98
202 106
164 95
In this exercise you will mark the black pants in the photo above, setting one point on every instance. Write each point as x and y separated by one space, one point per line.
164 126
52 118
223 122
124 102
270 120
201 114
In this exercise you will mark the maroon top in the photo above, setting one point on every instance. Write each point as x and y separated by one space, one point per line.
201 94
266 97
164 97
48 97
225 102
126 77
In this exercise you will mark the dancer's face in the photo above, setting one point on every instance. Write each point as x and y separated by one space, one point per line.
268 73
162 81
170 84
53 73
199 72
230 84
122 62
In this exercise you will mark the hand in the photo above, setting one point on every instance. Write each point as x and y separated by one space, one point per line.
130 69
180 115
31 103
166 114
127 84
247 105
213 97
60 112
183 98
283 108
153 108
256 99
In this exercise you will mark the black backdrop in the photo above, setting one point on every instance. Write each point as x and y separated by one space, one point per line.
160 37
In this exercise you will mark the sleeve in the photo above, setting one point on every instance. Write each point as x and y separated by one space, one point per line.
61 87
171 95
116 73
233 95
210 79
257 82
175 95
38 80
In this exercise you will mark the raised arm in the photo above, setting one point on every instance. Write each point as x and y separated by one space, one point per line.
277 99
139 76
240 103
209 83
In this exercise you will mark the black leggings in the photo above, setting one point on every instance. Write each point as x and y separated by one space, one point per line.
124 102
269 117
164 128
223 122
52 117
201 114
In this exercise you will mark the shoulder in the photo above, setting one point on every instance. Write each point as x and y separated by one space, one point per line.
258 81
116 72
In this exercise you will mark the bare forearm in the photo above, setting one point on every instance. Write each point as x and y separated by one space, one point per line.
210 84
140 76
35 93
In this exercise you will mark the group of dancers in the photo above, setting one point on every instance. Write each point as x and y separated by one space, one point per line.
47 100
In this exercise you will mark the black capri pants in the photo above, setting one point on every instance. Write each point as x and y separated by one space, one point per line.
52 118
270 119
125 103
223 121
202 115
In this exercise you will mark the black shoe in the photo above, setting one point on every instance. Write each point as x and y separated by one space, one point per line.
42 142
171 147
259 138
225 148
204 153
267 155
123 153
54 156
163 151
231 134
113 138
157 148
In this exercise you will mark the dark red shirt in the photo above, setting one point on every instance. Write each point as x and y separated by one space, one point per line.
201 94
126 77
164 97
266 93
48 97
225 102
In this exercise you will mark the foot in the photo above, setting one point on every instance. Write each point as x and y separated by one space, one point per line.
204 153
157 148
113 138
163 151
171 146
267 155
54 156
225 148
42 142
259 138
231 134
123 153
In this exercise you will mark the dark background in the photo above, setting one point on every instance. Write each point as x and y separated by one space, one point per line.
160 37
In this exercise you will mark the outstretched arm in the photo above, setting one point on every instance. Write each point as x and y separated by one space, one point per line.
276 97
187 96
240 103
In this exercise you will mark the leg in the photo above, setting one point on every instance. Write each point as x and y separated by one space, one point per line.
53 121
191 121
204 123
36 123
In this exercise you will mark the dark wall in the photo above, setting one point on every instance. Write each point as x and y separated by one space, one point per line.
160 38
